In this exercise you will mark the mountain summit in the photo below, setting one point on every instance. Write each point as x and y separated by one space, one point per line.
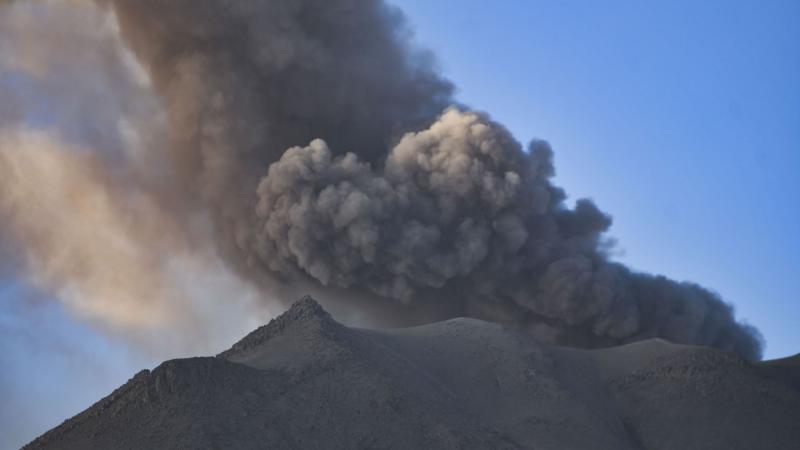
304 381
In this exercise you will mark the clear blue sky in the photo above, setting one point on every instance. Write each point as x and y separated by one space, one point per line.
680 118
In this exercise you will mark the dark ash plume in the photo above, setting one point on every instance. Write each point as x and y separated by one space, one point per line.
458 213
245 80
385 188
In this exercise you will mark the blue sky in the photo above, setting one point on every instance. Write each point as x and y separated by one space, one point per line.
51 366
680 118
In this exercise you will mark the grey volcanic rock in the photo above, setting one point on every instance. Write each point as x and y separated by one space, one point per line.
305 381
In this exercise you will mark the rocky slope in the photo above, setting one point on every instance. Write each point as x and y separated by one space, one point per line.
306 382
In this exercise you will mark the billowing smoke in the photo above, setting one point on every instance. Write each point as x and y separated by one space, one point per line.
324 148
459 213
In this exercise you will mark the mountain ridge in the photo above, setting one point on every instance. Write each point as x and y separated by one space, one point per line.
306 381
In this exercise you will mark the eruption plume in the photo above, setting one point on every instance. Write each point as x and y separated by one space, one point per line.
323 148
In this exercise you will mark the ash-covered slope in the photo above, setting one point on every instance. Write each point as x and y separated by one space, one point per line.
304 381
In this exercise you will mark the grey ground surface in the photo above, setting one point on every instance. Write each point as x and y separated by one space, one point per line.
306 382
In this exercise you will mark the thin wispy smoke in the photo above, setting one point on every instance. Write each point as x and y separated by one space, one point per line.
84 210
320 146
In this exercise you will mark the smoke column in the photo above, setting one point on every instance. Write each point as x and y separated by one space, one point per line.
322 148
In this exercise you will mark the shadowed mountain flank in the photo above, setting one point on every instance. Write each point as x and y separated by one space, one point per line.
306 381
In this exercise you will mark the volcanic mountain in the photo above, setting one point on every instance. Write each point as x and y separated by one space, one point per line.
304 381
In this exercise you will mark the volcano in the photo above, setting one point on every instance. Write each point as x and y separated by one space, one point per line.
305 381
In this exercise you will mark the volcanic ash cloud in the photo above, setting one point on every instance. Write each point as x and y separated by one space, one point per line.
322 147
459 213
